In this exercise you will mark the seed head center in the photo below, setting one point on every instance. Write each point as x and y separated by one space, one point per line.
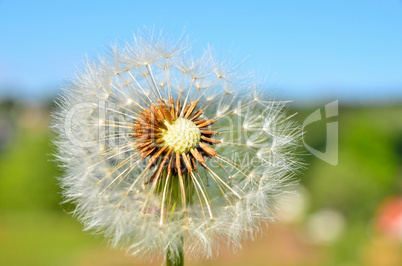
181 135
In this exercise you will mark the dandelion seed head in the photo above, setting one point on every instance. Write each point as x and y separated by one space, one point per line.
158 145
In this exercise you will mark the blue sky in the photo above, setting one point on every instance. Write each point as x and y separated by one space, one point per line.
349 49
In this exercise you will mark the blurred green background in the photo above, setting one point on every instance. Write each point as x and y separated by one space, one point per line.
344 215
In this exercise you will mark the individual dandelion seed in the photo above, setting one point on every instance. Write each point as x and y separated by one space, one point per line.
167 154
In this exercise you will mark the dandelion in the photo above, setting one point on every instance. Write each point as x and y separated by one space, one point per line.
167 154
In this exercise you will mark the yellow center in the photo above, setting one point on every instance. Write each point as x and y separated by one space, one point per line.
181 135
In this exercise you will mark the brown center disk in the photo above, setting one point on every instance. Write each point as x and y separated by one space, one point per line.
148 135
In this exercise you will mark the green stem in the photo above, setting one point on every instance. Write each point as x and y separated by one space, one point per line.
175 260
176 201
